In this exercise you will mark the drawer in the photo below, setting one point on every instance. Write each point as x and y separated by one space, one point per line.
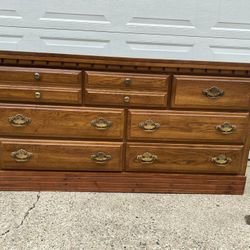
126 98
187 126
184 158
37 85
210 92
60 155
37 76
125 81
40 94
68 122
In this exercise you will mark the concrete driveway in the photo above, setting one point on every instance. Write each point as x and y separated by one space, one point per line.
53 220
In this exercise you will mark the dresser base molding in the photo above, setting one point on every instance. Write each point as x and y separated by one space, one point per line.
121 182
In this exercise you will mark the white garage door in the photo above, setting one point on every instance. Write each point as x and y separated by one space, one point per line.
181 29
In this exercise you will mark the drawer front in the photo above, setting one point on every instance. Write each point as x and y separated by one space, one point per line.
60 155
184 158
36 76
187 126
210 92
126 98
123 81
52 121
40 94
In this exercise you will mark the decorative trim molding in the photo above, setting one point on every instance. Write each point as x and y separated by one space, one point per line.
32 59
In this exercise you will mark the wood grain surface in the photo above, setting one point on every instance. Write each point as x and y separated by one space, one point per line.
61 155
192 158
187 92
121 182
117 81
52 77
14 93
187 126
65 122
118 98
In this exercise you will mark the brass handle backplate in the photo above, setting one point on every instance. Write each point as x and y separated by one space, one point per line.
100 157
147 158
19 120
221 160
213 92
226 128
101 124
21 155
37 76
149 125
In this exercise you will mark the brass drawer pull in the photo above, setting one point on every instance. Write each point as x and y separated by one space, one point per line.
37 76
21 155
213 92
37 95
19 121
221 160
126 99
226 128
100 157
149 125
147 158
101 124
127 82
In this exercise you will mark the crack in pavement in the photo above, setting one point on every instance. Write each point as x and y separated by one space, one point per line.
25 215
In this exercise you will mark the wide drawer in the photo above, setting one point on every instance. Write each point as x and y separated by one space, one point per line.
125 98
189 158
210 92
187 126
60 155
126 81
68 122
40 94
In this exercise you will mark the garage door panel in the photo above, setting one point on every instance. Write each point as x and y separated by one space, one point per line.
201 30
214 18
124 44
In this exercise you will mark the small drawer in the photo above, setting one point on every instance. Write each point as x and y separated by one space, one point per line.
40 94
65 122
125 81
187 126
210 92
126 98
39 76
193 158
60 155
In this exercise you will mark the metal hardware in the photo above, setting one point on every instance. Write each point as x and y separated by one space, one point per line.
101 124
37 95
19 121
147 158
126 99
37 76
21 155
213 92
221 160
127 82
149 125
226 128
100 157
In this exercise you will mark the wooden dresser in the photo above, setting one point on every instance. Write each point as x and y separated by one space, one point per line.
84 123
